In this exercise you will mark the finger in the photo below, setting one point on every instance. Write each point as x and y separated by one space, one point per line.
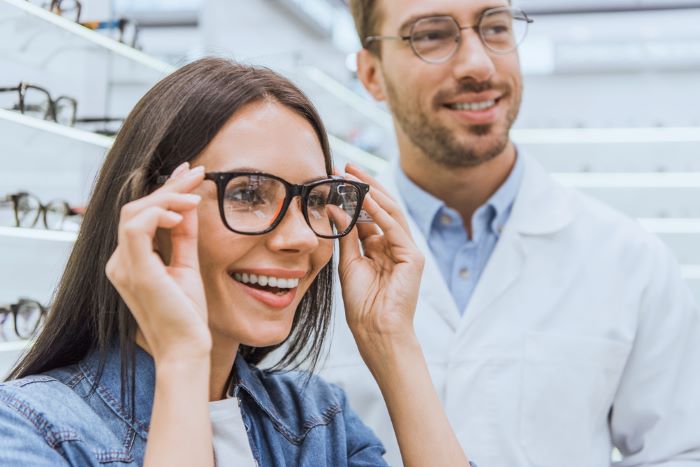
184 242
349 246
367 230
366 178
393 231
171 201
185 181
392 207
136 235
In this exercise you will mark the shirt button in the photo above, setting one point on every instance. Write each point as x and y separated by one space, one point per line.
464 273
445 219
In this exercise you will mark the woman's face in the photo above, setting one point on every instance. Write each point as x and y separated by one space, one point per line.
262 137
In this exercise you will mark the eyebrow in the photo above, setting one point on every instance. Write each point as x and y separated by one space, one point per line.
258 171
412 19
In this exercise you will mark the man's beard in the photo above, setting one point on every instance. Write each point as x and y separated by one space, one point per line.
441 144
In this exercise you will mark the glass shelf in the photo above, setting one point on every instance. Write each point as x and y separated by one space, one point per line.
38 234
47 137
41 40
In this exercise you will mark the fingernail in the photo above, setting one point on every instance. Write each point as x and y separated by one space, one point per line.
191 197
197 170
174 216
180 168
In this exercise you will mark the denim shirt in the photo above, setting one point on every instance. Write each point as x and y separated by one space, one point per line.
53 419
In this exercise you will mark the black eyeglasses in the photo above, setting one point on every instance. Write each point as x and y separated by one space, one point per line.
435 39
27 314
254 203
37 102
69 9
27 209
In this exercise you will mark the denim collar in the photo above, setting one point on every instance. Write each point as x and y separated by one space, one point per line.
424 207
249 379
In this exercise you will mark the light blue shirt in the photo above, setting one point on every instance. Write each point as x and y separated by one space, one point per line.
461 259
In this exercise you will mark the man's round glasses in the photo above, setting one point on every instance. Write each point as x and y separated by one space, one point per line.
253 203
436 39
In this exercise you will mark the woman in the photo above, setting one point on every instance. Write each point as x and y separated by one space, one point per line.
213 217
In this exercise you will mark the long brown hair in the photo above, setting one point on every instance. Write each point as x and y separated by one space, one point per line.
171 124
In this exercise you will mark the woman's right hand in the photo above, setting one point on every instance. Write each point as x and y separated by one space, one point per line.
167 300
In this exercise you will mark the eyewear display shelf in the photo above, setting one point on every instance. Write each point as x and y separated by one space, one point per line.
55 160
37 38
9 353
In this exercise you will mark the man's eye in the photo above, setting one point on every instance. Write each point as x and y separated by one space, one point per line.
432 35
495 30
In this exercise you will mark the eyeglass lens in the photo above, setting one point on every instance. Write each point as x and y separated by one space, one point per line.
437 38
37 103
69 9
27 210
24 210
253 203
27 319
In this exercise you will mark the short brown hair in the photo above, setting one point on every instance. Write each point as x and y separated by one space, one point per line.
367 16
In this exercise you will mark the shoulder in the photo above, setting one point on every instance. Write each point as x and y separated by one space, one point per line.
43 415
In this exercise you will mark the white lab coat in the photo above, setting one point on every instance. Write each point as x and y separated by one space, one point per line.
580 335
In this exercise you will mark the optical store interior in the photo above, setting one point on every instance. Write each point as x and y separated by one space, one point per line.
611 107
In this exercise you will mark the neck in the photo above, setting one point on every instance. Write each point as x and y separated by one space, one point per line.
223 356
463 189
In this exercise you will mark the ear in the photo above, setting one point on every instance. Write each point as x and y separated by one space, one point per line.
370 73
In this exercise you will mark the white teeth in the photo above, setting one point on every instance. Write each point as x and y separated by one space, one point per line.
473 105
270 281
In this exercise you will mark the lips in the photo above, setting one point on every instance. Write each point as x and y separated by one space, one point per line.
275 288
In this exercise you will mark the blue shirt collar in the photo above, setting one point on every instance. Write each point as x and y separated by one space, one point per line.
424 207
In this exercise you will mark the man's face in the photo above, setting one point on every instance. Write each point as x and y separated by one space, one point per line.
458 113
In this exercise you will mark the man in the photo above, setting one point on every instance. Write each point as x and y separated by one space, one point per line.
555 328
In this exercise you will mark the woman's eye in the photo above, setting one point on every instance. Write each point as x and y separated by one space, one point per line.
243 195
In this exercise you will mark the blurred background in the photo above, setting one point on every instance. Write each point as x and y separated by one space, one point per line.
611 105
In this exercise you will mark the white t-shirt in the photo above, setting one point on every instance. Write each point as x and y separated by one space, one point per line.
231 446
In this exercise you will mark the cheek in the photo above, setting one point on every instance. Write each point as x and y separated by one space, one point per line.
322 255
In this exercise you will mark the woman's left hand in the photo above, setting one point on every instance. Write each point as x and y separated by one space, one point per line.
380 270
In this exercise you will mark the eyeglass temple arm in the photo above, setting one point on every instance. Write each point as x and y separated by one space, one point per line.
370 39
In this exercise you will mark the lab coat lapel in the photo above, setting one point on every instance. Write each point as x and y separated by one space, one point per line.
541 208
434 291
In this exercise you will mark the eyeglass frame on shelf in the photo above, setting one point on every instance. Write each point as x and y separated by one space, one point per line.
13 199
13 309
458 36
55 8
51 114
292 191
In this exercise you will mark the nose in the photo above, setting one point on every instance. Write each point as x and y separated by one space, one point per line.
293 233
472 60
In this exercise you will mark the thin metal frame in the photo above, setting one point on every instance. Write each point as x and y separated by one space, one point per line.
518 14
